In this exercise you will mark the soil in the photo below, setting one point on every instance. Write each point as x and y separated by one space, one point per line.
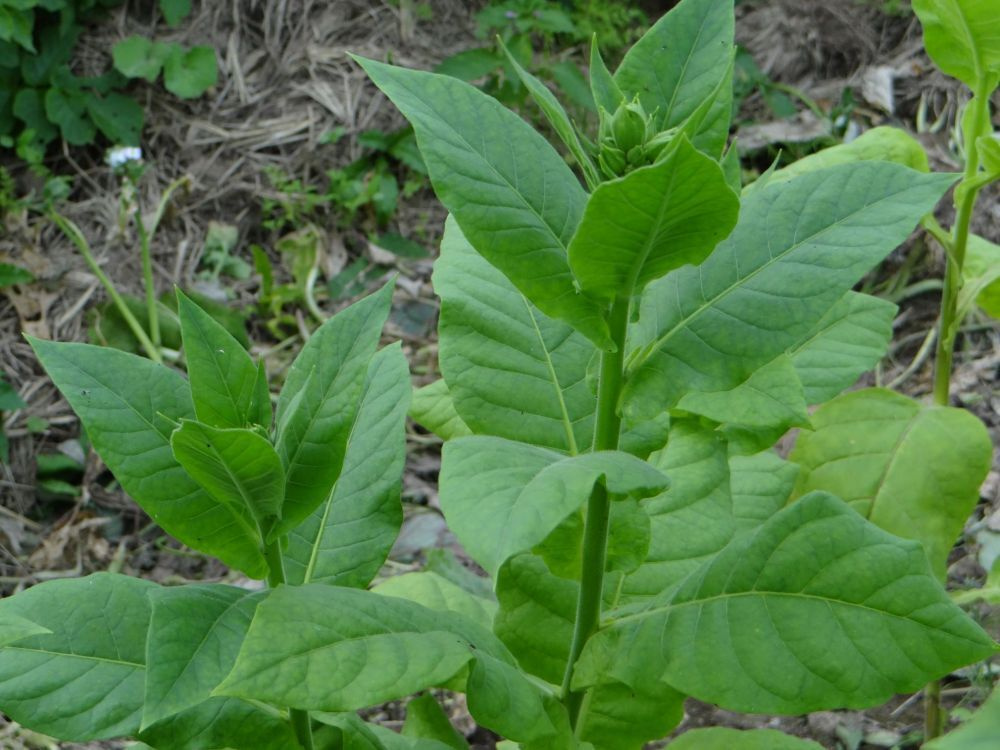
285 81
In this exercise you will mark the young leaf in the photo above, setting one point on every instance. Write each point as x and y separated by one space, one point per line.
525 491
913 470
962 37
723 738
175 11
139 57
440 594
194 636
125 403
511 370
680 61
781 622
512 194
190 73
347 538
797 248
433 408
83 679
238 468
602 84
426 720
318 404
978 733
222 722
224 379
637 228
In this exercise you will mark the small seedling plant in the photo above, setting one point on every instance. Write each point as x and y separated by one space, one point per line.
617 361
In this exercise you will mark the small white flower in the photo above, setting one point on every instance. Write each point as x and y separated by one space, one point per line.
119 156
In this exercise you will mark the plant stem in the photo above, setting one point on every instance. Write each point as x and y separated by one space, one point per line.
297 717
595 532
72 231
932 710
147 279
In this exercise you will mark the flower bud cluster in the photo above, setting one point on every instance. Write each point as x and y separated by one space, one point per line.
628 139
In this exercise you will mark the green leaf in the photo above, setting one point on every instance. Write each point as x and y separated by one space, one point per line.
849 340
318 404
334 649
511 193
913 470
117 116
237 467
761 485
139 57
982 261
347 538
190 73
440 594
619 717
14 628
426 720
489 484
10 399
511 370
723 738
68 110
637 228
978 733
125 402
988 147
224 379
29 108
222 722
962 37
11 275
781 622
174 11
878 144
602 84
470 65
433 408
680 61
194 636
83 680
798 247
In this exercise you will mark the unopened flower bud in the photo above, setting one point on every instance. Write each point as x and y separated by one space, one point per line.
628 126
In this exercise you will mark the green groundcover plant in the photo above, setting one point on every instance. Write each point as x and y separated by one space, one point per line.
617 362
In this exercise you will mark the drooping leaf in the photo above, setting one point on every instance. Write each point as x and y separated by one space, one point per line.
433 408
962 37
194 636
237 467
511 193
318 404
489 484
978 733
680 61
511 370
913 470
347 538
781 621
224 379
797 248
222 722
723 738
426 720
655 219
122 400
83 679
440 594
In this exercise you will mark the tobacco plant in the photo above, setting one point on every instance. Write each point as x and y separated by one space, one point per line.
617 362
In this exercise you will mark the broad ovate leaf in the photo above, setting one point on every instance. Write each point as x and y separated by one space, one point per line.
511 370
222 722
655 219
797 249
816 608
912 469
511 193
760 485
963 38
347 538
502 497
126 403
82 680
318 404
437 593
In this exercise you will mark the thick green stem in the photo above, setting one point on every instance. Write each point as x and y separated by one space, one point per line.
933 716
298 718
147 280
595 532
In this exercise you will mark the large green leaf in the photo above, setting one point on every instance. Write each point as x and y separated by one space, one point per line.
14 628
511 370
501 497
761 485
347 538
83 680
194 636
914 470
798 247
437 593
433 408
425 719
680 61
126 402
224 380
318 404
222 722
781 621
237 467
637 228
619 717
512 194
978 733
723 738
962 37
